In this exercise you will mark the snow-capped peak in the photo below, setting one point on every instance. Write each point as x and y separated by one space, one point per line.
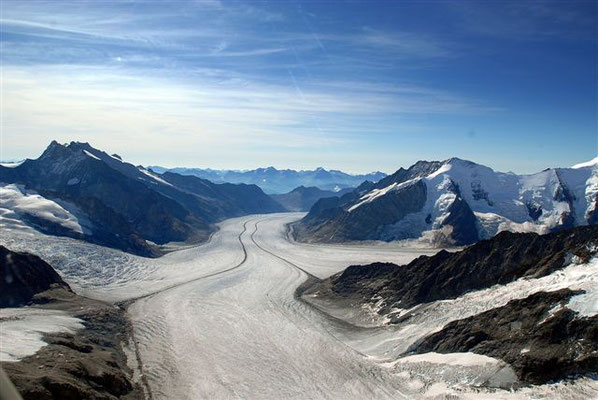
495 200
590 163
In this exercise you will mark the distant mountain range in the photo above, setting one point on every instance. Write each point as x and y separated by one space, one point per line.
303 198
272 180
78 191
455 202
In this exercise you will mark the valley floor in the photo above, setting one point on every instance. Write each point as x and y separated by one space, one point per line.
223 320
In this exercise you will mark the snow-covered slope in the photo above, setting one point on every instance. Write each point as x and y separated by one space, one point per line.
463 200
73 186
193 337
19 208
590 163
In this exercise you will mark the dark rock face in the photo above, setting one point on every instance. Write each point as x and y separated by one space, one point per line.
331 221
89 364
334 224
479 193
564 194
22 276
303 198
225 200
462 220
500 260
593 215
417 170
539 346
534 210
128 205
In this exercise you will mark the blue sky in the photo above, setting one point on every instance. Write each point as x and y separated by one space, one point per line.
349 85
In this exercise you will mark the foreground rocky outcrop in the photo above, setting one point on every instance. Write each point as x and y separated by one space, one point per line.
500 260
543 336
87 364
23 275
538 336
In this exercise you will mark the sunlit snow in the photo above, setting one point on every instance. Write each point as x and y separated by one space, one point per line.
22 329
241 333
17 202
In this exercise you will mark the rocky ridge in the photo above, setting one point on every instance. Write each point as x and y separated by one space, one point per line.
455 202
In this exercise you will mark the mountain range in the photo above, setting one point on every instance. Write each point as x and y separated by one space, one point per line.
303 198
78 191
275 181
542 334
455 202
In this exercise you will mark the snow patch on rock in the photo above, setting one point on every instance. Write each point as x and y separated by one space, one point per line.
16 202
153 176
22 329
91 155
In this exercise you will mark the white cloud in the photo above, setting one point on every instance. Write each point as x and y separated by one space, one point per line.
69 102
201 77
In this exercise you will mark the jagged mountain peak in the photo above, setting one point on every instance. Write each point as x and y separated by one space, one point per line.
70 153
470 199
76 144
457 160
98 197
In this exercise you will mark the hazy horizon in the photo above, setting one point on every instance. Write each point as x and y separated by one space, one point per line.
264 166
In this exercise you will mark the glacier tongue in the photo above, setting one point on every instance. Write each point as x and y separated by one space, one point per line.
204 329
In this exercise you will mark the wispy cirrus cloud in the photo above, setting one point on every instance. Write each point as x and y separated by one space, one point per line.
244 78
144 109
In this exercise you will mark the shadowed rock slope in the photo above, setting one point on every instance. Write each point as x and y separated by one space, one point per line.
23 275
114 203
500 260
455 202
89 364
538 336
303 198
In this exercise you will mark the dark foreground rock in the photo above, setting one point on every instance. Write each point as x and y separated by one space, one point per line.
89 364
538 336
500 260
23 275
